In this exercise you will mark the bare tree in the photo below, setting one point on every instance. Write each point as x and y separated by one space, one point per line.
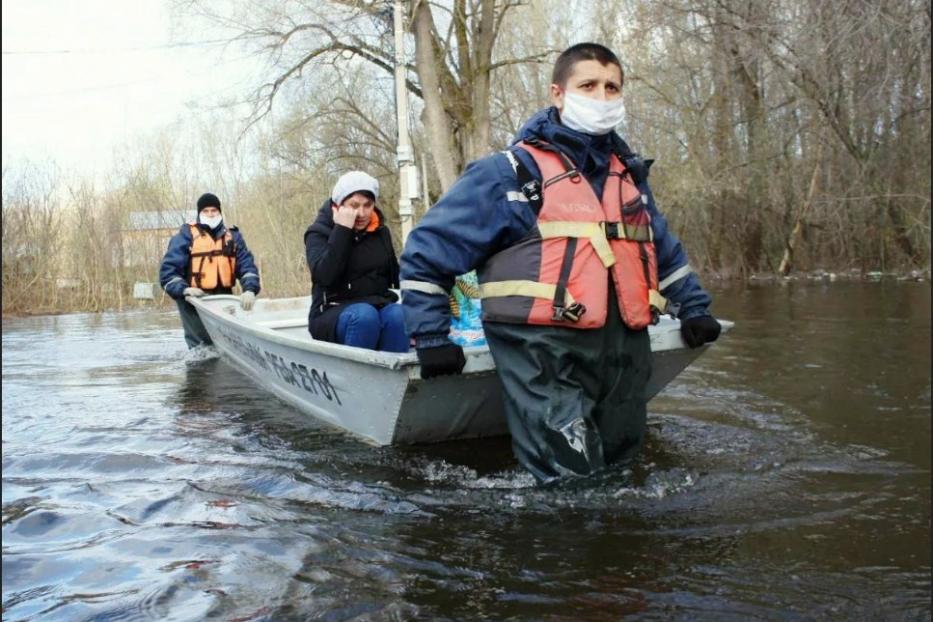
451 70
736 97
32 234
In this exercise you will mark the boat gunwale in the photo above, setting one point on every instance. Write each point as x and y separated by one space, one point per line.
395 361
389 360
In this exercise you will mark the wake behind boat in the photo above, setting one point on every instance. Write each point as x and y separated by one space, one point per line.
380 396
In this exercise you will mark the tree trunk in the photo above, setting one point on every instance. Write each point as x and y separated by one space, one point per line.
748 69
477 143
788 259
436 122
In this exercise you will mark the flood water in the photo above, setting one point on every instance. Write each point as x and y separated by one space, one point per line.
786 477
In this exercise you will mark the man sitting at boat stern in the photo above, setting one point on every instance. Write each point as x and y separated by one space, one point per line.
353 268
574 263
206 257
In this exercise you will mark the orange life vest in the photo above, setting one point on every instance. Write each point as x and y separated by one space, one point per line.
213 262
556 276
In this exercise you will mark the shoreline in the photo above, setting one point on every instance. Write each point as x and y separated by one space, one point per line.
830 276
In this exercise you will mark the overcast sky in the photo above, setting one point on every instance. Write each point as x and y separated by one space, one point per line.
83 77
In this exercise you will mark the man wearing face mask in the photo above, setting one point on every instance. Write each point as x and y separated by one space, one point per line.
206 257
574 262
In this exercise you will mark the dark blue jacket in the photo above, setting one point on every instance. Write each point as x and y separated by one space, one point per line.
175 272
485 212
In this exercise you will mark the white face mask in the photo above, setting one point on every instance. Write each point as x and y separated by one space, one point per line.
591 116
211 222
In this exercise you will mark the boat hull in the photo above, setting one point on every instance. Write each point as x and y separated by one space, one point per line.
380 396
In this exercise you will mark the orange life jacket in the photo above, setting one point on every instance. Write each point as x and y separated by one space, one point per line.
213 262
556 276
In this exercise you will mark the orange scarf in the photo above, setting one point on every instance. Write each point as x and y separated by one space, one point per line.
373 222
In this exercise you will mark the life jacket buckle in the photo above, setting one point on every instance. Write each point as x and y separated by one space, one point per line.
612 231
671 309
570 313
532 190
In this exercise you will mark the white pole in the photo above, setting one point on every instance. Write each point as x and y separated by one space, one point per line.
408 174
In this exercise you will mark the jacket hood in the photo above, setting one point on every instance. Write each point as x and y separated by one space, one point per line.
588 152
325 219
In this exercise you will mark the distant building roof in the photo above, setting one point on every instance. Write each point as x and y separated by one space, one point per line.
167 219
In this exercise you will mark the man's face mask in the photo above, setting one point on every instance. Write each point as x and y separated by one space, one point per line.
591 116
211 222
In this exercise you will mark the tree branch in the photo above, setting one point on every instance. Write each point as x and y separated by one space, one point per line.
540 57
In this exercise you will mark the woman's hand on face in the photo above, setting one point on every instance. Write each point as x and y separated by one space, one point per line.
345 215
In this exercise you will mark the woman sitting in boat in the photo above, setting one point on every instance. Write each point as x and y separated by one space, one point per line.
353 268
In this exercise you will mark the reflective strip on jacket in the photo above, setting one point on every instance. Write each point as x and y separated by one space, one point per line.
557 275
213 262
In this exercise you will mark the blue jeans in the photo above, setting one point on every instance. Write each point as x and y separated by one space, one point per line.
363 326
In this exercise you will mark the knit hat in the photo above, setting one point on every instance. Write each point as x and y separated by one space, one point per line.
354 181
208 200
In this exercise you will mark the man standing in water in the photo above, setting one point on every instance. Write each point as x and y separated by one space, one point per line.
206 257
574 262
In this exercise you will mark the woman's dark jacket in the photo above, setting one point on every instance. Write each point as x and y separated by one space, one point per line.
347 267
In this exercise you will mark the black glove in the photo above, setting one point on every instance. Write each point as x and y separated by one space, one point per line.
699 330
441 360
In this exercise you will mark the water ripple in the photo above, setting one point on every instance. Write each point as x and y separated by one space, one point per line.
785 476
